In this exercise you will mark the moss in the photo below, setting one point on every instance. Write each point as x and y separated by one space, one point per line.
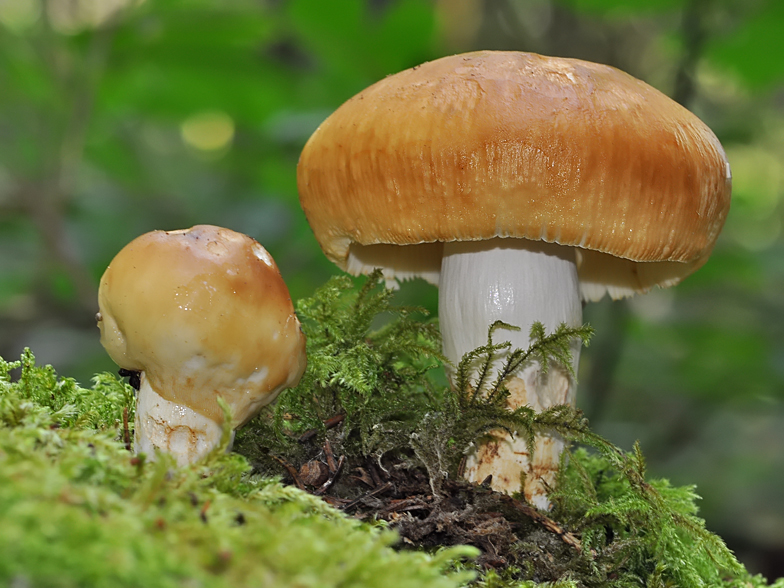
370 363
77 509
622 528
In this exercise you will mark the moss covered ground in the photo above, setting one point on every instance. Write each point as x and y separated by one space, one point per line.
78 508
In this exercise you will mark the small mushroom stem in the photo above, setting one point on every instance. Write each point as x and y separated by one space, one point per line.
519 282
173 428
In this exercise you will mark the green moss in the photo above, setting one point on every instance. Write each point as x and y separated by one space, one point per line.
77 509
369 362
632 531
383 382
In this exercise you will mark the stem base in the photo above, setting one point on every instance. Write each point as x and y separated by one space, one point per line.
173 428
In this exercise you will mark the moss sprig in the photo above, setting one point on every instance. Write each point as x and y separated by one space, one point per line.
477 402
368 362
553 349
644 527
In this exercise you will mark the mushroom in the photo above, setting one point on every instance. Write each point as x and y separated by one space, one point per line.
522 186
202 313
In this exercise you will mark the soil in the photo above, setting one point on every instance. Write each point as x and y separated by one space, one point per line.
511 535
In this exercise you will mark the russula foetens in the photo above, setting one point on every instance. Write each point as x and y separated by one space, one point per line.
202 313
522 186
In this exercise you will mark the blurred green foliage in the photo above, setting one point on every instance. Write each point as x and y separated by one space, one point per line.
122 116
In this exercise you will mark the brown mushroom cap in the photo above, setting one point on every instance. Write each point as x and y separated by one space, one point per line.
505 144
203 312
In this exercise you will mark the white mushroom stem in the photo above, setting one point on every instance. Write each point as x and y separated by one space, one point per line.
519 282
173 428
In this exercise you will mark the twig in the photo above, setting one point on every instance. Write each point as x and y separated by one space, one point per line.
290 469
373 473
370 494
364 477
547 523
405 505
325 486
330 457
330 423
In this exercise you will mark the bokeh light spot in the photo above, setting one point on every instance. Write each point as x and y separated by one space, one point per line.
209 131
19 15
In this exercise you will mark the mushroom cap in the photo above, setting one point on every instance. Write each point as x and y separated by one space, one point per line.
203 312
505 144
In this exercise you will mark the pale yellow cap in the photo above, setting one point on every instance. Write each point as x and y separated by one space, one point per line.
204 313
505 144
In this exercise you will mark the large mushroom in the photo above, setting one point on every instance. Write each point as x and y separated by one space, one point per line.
522 186
201 313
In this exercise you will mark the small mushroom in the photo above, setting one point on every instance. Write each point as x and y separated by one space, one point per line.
201 313
523 186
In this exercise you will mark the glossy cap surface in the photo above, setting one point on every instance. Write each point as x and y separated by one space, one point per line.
505 144
204 313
